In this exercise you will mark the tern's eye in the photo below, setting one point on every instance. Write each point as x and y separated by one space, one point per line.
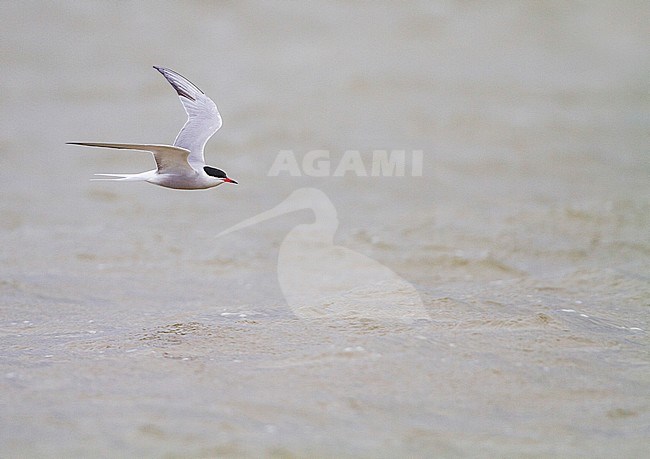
214 172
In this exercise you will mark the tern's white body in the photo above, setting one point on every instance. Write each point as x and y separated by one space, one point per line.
182 165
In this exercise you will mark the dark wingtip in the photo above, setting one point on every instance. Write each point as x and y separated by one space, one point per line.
180 91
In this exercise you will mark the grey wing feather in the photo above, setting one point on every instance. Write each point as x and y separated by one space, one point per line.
203 118
168 158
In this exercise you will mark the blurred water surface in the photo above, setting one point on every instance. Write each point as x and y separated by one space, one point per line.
127 328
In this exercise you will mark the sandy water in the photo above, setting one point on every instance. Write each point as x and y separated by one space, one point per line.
128 329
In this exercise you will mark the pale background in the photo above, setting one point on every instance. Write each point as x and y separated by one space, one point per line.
128 329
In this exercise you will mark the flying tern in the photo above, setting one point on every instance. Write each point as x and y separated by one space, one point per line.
182 165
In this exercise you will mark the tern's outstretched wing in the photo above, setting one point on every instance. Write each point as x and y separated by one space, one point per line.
169 159
203 118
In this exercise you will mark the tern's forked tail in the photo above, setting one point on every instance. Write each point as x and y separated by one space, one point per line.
144 176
